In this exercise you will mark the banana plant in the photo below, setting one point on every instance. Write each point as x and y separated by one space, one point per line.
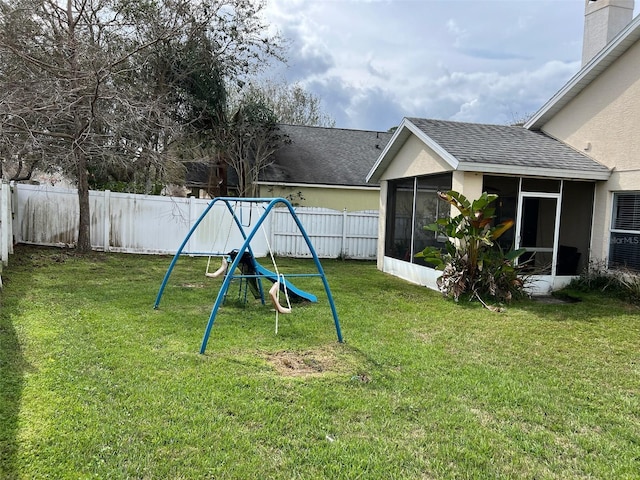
470 249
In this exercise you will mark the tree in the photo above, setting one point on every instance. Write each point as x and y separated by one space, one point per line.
473 262
518 120
248 143
290 103
201 104
84 88
251 136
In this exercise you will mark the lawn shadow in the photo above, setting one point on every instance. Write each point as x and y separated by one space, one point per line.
12 370
563 308
559 306
13 365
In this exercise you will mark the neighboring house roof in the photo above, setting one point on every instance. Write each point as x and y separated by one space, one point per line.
499 149
325 156
197 174
614 50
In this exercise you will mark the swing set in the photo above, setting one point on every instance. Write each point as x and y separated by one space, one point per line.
253 273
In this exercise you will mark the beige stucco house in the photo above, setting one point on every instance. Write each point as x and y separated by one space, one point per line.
570 177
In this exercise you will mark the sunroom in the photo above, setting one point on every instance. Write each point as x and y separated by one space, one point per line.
545 186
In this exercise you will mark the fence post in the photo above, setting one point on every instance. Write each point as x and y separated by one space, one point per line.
5 208
107 220
192 218
16 220
11 197
343 246
272 228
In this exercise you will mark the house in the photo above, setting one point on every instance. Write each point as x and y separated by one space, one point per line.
325 167
570 177
315 167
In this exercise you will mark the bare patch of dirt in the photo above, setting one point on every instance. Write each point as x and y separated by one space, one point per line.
294 364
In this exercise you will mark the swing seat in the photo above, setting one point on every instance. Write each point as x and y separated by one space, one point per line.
273 293
220 271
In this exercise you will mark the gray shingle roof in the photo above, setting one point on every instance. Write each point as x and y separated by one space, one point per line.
505 147
329 156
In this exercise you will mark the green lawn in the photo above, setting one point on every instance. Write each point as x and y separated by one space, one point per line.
95 383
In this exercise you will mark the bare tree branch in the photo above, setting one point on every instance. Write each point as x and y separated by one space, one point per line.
99 89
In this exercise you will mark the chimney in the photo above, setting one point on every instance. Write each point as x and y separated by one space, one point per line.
603 20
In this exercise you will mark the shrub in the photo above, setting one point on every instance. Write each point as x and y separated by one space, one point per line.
472 263
621 283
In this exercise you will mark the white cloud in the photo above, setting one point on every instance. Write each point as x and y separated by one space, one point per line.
458 33
374 61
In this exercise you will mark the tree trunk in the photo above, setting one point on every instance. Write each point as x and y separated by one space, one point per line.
84 221
80 125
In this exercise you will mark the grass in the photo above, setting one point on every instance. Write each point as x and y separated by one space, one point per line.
96 384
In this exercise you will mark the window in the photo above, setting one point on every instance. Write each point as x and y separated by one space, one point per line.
507 189
624 249
539 185
399 219
412 203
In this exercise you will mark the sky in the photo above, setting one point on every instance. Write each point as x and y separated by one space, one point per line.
373 62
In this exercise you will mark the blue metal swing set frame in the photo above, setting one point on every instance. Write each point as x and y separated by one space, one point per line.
246 247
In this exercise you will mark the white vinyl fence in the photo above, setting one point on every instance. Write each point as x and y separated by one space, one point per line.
6 225
332 233
129 223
